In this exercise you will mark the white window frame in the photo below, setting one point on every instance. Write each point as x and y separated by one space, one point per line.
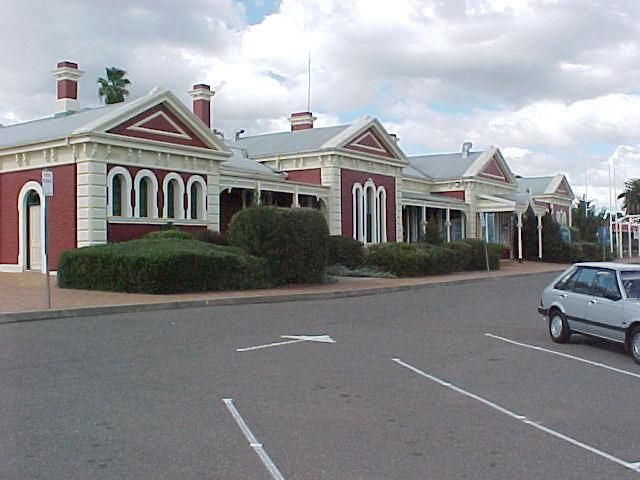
178 212
152 196
202 201
125 200
381 219
357 196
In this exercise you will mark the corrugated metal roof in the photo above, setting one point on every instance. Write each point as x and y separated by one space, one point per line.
238 161
410 171
443 166
433 198
288 142
536 185
51 128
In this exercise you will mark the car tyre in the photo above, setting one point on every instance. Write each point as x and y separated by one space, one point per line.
634 344
558 327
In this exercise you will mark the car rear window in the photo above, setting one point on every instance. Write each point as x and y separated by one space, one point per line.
631 283
580 282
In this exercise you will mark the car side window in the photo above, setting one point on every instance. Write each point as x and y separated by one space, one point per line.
563 283
605 285
582 280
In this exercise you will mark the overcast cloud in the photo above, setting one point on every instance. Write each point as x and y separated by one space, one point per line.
554 83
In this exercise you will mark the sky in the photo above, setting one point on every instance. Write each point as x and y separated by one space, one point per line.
555 84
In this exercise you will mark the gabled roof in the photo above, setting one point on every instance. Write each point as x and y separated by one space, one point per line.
443 166
102 119
316 139
547 185
283 143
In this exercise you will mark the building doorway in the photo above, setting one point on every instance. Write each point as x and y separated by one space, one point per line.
34 231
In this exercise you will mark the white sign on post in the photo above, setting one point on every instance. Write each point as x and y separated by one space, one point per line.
47 183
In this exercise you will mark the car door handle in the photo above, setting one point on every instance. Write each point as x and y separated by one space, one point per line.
563 295
593 301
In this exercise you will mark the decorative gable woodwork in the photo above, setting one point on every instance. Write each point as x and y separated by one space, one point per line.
370 143
563 188
493 171
161 125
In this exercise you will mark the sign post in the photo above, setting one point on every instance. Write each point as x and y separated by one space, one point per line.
47 189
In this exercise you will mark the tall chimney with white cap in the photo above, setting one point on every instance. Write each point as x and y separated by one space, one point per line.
67 75
202 95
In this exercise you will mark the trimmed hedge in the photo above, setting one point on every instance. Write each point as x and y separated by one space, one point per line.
294 241
420 259
161 266
172 233
345 251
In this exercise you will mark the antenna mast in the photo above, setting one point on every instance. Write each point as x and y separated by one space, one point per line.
309 83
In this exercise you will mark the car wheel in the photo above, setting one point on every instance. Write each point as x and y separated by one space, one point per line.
559 328
634 344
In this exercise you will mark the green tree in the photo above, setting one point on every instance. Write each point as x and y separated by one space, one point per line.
631 195
586 220
114 88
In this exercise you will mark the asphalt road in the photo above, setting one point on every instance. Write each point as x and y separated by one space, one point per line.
412 388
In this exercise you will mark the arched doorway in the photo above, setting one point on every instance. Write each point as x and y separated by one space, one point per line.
34 231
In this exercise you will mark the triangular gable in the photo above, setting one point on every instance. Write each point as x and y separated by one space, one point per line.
160 124
492 170
563 189
370 142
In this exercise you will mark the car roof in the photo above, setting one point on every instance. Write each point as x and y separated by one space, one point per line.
610 265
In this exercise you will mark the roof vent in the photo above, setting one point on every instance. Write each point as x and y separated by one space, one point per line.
238 133
466 146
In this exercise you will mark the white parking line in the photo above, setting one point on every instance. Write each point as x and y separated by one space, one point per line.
253 442
534 347
632 466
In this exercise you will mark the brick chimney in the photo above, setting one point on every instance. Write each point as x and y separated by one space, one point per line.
301 121
67 75
202 95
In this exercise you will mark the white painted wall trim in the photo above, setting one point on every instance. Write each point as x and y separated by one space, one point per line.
202 200
10 268
152 209
127 209
23 240
178 212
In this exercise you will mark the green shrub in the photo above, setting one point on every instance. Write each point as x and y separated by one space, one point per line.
478 257
432 234
462 258
161 266
211 236
411 260
172 233
294 241
345 251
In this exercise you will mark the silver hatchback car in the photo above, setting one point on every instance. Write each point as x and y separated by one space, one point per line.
596 299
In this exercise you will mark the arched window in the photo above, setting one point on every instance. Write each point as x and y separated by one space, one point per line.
116 196
369 213
119 192
358 211
146 187
173 188
197 198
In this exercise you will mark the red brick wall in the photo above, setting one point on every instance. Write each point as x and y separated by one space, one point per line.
351 177
121 232
312 175
459 194
61 210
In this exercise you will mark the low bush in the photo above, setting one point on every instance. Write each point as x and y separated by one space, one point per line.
462 258
479 257
170 265
210 236
345 251
172 233
294 241
411 260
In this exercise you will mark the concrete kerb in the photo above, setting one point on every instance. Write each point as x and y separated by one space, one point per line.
39 315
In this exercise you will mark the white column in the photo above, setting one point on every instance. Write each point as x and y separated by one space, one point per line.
91 198
570 219
639 240
213 202
540 237
610 231
448 224
519 236
296 200
629 239
619 235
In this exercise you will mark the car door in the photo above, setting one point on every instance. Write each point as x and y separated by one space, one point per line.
604 309
573 295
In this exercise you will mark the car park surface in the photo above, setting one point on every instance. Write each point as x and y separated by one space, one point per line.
457 381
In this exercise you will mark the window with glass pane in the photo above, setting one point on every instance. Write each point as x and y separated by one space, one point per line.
194 200
116 196
171 199
143 197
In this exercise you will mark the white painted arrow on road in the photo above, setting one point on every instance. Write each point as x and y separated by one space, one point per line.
294 339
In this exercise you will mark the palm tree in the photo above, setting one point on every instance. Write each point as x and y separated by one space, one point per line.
114 87
631 195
